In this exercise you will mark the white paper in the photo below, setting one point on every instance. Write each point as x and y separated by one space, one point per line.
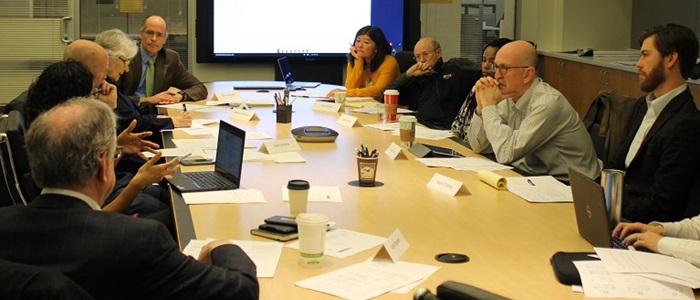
429 134
393 151
638 262
599 283
318 193
540 189
204 122
368 279
281 146
396 245
190 107
227 196
243 114
384 126
195 143
326 106
346 120
342 243
475 164
379 109
200 131
286 157
265 255
258 135
445 184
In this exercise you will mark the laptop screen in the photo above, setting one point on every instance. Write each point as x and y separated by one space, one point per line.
285 69
229 152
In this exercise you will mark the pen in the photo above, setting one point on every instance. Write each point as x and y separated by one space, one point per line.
343 250
184 156
530 182
184 107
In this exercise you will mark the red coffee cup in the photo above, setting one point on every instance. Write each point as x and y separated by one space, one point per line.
391 102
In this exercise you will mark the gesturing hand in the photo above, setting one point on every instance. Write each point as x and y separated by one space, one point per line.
134 143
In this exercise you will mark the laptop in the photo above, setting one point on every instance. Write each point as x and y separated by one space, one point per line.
227 167
591 212
286 71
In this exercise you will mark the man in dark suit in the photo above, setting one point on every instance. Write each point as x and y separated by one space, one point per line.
111 256
660 155
168 70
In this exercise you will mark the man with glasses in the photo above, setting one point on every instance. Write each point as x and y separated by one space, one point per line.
155 70
527 123
433 88
111 256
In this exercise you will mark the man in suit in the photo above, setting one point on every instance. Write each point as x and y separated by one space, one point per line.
433 88
168 70
111 256
660 155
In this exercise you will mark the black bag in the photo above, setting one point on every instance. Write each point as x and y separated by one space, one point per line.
564 269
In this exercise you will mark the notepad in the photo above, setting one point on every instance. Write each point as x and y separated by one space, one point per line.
497 181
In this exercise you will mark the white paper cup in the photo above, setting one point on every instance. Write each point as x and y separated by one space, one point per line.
312 237
298 196
340 97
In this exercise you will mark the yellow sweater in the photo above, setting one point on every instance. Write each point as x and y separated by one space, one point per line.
357 86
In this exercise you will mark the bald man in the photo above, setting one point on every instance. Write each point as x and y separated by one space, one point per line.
433 88
527 123
168 70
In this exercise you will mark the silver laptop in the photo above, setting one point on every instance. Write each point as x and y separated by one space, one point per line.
591 212
227 167
286 71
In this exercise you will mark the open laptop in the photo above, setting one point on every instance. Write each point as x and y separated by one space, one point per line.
227 167
591 212
286 71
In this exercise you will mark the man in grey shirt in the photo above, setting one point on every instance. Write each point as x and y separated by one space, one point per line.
527 123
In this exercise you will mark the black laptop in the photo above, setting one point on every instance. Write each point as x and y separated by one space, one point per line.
286 71
227 168
591 212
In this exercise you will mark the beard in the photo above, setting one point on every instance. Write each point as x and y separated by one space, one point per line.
652 80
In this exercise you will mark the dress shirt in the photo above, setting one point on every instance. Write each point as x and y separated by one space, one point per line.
73 194
654 108
682 240
539 134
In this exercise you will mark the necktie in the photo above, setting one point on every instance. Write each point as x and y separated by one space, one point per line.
150 77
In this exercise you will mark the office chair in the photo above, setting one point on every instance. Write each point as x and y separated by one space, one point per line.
7 186
16 163
606 122
405 60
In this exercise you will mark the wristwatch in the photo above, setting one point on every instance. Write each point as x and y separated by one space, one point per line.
182 94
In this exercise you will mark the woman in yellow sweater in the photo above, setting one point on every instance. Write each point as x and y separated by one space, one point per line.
371 68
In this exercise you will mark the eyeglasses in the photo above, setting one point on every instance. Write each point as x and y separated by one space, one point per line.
126 61
118 153
504 69
159 35
425 54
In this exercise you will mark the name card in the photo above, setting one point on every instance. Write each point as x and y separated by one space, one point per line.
395 152
447 185
347 120
280 146
231 96
394 247
243 115
326 106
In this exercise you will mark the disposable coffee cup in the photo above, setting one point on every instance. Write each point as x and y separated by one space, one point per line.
298 196
340 97
312 237
391 102
407 130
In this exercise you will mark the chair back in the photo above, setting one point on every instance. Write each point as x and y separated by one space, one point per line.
607 121
15 161
7 186
405 60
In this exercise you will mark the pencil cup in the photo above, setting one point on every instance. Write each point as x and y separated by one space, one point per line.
284 113
312 237
367 170
298 196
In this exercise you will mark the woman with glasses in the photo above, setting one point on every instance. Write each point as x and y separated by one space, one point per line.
464 117
371 67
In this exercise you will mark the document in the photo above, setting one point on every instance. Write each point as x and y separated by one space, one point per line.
265 255
286 157
200 131
384 126
342 243
598 282
427 133
190 107
379 109
318 193
475 164
258 135
195 143
222 197
642 263
540 189
368 279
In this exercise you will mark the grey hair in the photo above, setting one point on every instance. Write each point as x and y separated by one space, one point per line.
66 151
117 44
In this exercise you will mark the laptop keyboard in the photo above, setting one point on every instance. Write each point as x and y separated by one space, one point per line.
206 179
617 243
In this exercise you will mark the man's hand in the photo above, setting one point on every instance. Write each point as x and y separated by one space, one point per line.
420 69
134 143
149 173
205 254
108 94
161 98
184 119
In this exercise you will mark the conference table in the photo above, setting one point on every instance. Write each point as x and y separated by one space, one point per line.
508 240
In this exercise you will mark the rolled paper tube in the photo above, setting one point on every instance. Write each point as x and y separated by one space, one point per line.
497 181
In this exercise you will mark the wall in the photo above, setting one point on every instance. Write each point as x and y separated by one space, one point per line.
651 13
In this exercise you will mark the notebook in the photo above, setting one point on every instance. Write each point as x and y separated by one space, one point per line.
591 213
286 71
227 167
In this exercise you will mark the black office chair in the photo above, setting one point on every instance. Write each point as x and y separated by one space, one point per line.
15 162
7 186
405 60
